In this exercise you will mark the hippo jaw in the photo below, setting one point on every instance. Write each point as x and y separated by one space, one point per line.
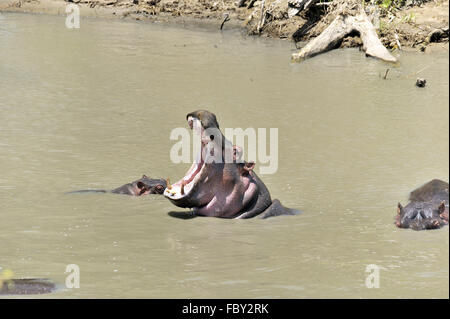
179 193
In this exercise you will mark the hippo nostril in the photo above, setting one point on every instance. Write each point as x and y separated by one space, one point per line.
414 215
211 137
422 213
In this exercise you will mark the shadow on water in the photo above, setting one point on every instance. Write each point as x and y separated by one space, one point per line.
182 215
190 214
28 286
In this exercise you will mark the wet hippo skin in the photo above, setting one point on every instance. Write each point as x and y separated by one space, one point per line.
142 186
219 183
32 286
427 209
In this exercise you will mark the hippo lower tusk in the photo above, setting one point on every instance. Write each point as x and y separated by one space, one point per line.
168 184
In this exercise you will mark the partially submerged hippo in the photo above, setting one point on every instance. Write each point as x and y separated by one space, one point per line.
427 209
219 183
32 286
142 186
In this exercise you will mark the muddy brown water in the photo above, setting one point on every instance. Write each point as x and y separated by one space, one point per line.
94 107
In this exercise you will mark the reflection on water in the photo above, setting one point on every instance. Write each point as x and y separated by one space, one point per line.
94 107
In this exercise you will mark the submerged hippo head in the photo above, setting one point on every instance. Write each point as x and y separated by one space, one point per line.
147 185
427 209
422 215
31 286
218 183
142 186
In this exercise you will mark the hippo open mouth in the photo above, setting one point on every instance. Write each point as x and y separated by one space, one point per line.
206 180
220 183
178 193
184 186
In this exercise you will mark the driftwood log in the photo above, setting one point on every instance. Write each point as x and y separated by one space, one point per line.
295 6
354 21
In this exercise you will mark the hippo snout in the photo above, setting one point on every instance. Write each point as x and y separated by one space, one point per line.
427 223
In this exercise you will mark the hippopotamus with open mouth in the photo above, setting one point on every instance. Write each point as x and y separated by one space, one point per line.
220 183
427 209
142 186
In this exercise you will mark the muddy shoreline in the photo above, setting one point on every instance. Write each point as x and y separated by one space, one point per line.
409 28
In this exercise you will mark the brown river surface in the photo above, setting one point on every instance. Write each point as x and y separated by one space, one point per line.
94 108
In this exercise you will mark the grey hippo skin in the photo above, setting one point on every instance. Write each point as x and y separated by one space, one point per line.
427 209
32 286
142 186
219 183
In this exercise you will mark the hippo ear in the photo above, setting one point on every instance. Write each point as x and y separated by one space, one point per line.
144 176
441 208
399 208
249 166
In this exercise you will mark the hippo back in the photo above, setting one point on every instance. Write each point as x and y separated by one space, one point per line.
435 191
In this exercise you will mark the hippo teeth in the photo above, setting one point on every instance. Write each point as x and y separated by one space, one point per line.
181 188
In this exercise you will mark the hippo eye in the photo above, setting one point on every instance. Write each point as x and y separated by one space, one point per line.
140 185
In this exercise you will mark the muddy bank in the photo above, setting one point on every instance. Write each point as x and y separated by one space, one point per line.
417 24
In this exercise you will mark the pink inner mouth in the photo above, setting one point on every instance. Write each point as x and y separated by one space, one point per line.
193 170
187 183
